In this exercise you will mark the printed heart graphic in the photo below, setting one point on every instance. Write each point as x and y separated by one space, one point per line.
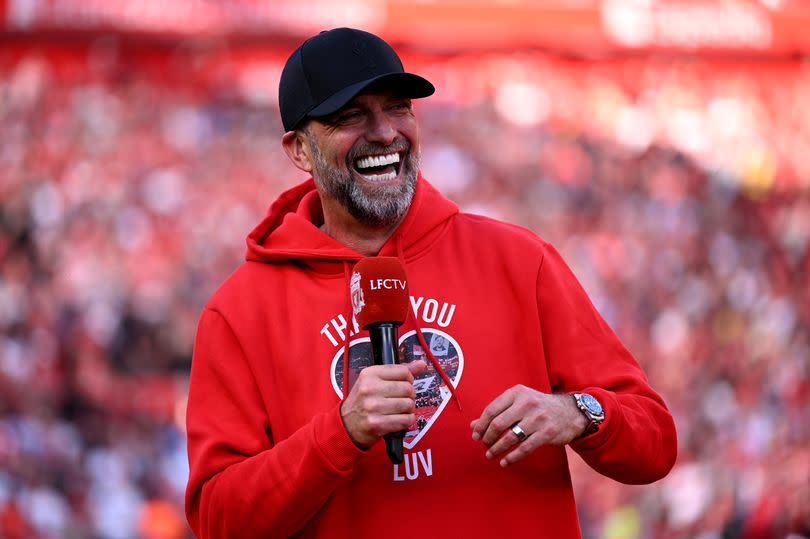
432 394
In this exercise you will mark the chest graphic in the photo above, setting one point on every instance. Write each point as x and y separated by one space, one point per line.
432 395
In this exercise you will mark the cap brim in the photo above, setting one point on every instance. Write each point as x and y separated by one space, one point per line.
404 84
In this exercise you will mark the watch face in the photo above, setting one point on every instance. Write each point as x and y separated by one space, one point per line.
591 404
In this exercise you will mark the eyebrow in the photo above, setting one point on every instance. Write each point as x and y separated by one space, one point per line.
331 119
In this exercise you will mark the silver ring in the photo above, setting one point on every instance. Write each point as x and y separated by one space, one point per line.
518 432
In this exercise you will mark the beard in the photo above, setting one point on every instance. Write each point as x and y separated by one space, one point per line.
372 205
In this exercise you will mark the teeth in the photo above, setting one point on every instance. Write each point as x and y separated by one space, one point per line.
380 177
377 160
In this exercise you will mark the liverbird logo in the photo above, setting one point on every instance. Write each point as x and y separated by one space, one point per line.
358 302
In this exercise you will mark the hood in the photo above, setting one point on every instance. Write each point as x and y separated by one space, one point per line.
290 230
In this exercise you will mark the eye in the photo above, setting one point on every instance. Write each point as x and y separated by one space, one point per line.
403 105
348 117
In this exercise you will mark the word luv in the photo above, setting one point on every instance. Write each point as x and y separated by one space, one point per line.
412 463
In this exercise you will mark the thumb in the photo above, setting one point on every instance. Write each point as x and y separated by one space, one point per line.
417 367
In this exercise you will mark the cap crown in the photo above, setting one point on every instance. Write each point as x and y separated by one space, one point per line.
329 69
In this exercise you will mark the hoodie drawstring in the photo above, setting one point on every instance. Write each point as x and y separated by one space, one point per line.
349 328
433 361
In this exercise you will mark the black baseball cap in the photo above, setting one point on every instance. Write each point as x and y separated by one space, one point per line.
330 68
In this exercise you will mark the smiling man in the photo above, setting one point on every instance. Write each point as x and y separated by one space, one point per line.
285 409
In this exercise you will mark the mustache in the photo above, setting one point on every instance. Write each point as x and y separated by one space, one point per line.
400 144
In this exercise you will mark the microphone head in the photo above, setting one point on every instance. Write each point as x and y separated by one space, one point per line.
379 291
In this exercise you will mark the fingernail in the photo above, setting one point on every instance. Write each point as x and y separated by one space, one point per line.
489 454
504 464
476 436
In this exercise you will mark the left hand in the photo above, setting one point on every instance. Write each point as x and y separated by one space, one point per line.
547 419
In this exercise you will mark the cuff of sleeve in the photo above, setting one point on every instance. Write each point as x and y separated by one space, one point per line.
334 442
608 426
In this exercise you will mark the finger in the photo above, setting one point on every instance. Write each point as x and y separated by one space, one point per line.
378 405
524 448
393 406
392 372
504 443
397 389
500 424
417 367
496 407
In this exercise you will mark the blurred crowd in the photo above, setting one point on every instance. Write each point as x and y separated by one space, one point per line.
679 196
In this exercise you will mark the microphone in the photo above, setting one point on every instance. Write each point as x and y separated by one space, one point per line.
379 292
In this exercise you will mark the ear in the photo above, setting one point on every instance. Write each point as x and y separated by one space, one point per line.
296 146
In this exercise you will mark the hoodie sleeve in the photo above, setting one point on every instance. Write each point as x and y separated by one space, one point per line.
241 484
637 442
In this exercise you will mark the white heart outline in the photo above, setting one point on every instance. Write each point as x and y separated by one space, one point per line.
444 392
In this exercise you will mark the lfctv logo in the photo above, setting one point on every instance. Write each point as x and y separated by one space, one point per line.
387 284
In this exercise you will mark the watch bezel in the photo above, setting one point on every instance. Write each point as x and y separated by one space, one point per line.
594 419
593 406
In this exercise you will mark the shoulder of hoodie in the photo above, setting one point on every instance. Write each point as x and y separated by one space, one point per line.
239 288
501 234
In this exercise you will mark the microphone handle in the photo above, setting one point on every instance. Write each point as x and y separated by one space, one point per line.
384 349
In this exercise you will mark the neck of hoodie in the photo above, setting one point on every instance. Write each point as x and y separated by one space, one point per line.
291 233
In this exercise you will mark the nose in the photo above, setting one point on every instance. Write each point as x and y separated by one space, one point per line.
381 129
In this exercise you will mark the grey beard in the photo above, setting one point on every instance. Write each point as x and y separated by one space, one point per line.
379 206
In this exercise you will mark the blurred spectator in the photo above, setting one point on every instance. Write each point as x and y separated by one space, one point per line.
679 191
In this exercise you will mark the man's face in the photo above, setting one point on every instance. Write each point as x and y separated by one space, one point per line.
366 156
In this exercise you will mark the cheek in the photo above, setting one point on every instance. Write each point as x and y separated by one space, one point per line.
341 152
333 158
410 130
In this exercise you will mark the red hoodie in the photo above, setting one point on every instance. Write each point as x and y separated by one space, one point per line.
498 306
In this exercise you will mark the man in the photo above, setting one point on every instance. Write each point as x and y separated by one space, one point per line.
276 450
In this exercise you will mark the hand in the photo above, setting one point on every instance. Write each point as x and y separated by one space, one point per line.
382 400
545 418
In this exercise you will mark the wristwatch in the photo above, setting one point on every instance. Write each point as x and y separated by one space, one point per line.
592 411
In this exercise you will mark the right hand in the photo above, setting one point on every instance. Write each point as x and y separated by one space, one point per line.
382 400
